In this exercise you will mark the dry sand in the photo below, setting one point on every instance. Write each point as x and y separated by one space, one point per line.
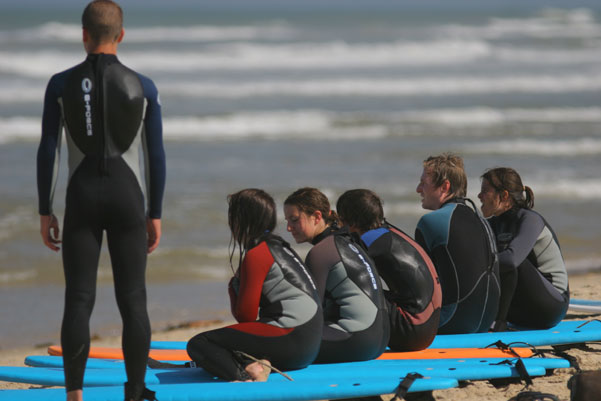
586 285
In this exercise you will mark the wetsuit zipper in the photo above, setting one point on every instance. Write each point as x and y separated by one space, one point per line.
100 113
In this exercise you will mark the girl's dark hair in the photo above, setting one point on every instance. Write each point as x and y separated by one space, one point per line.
360 208
309 200
507 179
251 214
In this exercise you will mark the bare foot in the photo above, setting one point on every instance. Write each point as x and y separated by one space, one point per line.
259 372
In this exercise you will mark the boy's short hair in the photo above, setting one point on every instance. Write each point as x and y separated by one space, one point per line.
103 20
447 166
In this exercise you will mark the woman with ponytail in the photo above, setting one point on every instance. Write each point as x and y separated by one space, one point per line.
356 327
273 297
534 280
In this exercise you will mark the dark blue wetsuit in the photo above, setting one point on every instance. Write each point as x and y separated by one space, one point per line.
535 290
273 285
108 113
414 296
356 326
461 245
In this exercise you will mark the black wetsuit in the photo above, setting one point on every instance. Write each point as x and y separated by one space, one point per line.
462 247
274 286
356 324
534 280
108 113
414 296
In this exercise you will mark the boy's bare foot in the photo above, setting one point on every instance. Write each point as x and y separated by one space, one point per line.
259 371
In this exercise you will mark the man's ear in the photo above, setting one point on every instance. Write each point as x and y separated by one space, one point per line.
445 187
120 38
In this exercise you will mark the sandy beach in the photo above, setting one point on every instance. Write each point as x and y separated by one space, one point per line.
585 285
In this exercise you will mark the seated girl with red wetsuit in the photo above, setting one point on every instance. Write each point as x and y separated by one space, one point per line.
273 298
414 296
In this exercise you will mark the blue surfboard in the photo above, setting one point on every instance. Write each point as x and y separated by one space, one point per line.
585 305
566 332
283 390
548 363
585 302
340 372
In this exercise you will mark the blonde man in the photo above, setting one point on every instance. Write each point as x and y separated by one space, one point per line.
459 242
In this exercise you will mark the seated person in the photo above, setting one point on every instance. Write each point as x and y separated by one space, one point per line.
356 326
461 245
272 296
414 294
534 280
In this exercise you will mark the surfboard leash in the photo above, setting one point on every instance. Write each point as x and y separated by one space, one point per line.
244 354
403 387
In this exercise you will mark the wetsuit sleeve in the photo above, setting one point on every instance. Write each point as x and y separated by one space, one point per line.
154 152
530 227
254 269
49 148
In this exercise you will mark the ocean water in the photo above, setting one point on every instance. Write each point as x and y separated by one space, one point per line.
282 94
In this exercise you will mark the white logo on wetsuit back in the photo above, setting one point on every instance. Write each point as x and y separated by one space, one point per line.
366 264
300 264
86 87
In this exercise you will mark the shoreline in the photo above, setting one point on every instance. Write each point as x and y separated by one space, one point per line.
586 284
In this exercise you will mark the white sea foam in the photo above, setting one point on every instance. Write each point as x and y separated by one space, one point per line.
572 189
271 125
71 33
484 116
433 86
549 24
316 124
330 55
255 56
575 147
17 276
19 128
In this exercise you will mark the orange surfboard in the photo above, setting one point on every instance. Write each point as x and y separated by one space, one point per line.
438 353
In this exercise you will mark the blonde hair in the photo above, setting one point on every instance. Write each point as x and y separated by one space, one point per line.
447 166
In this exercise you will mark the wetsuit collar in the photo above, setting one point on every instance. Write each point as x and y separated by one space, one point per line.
95 57
454 200
325 233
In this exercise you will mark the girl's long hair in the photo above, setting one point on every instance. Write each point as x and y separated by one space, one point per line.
251 214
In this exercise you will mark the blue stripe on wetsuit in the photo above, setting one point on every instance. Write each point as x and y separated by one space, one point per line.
435 226
156 152
369 237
